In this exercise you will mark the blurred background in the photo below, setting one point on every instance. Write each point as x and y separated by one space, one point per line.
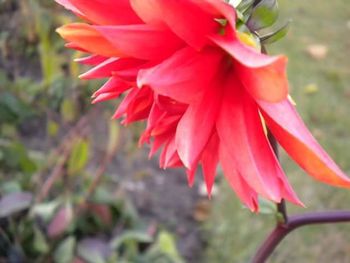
74 186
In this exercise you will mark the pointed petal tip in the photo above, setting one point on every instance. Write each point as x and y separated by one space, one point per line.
59 29
209 192
84 76
191 177
63 30
296 201
254 206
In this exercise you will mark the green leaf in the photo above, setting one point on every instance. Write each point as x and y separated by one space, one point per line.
40 243
10 187
16 157
14 203
137 236
48 57
244 5
275 36
113 137
167 245
52 128
12 110
79 156
263 15
68 110
65 251
45 210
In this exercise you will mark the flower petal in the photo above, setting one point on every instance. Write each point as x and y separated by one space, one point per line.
209 160
246 194
103 12
264 77
88 38
189 20
267 83
240 130
290 131
113 85
92 60
184 76
149 11
196 127
244 54
141 41
114 66
102 70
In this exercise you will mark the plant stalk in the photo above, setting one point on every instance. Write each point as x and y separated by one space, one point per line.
294 222
290 223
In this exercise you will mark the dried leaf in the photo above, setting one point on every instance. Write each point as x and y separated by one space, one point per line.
317 51
202 210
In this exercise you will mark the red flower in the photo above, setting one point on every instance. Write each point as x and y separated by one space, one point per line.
202 89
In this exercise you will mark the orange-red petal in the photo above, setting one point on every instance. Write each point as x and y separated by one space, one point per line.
290 131
88 38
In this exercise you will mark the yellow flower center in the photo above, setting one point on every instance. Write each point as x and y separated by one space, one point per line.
248 40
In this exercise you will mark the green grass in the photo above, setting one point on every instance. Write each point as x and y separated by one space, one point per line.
235 233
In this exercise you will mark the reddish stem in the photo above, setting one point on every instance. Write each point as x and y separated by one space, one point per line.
294 222
290 223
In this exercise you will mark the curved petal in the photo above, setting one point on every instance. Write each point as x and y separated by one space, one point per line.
154 117
168 154
113 85
263 76
88 38
290 131
184 76
92 60
188 20
102 70
244 54
246 194
141 41
103 12
69 6
74 46
140 107
196 127
149 11
267 83
113 66
240 130
158 141
127 101
209 160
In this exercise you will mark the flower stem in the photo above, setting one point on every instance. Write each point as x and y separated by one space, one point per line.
294 222
290 223
281 207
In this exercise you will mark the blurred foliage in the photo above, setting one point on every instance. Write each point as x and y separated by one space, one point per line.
53 207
